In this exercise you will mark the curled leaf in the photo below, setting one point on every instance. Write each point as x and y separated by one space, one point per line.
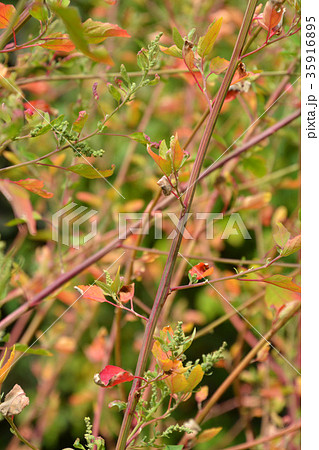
111 376
201 270
15 401
126 293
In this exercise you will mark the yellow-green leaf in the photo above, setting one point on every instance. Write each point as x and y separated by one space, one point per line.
87 171
209 434
172 51
206 43
292 245
194 378
218 65
283 282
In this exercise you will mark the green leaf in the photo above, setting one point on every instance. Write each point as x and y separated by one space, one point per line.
96 32
283 282
72 21
116 285
174 447
125 76
90 172
172 51
281 235
114 92
49 126
120 404
139 137
206 43
177 38
32 351
105 288
39 11
277 296
256 165
292 245
80 122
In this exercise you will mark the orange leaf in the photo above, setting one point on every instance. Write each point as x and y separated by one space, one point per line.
6 12
126 293
164 164
201 270
162 358
111 376
177 153
58 42
34 186
92 293
4 370
20 203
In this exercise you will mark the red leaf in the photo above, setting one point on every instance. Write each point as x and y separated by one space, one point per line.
59 43
111 376
126 293
201 270
20 203
6 12
36 105
92 293
34 186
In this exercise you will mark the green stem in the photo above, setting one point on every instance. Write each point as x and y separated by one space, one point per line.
18 434
164 285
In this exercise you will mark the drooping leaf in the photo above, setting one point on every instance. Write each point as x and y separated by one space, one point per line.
112 375
58 42
87 171
283 282
6 13
35 186
206 43
96 32
91 293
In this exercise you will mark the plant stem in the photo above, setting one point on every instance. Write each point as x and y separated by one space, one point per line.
201 415
18 434
164 285
249 445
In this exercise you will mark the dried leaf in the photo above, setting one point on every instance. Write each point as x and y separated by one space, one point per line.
126 293
15 401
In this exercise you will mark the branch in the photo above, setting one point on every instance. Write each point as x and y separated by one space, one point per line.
164 285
